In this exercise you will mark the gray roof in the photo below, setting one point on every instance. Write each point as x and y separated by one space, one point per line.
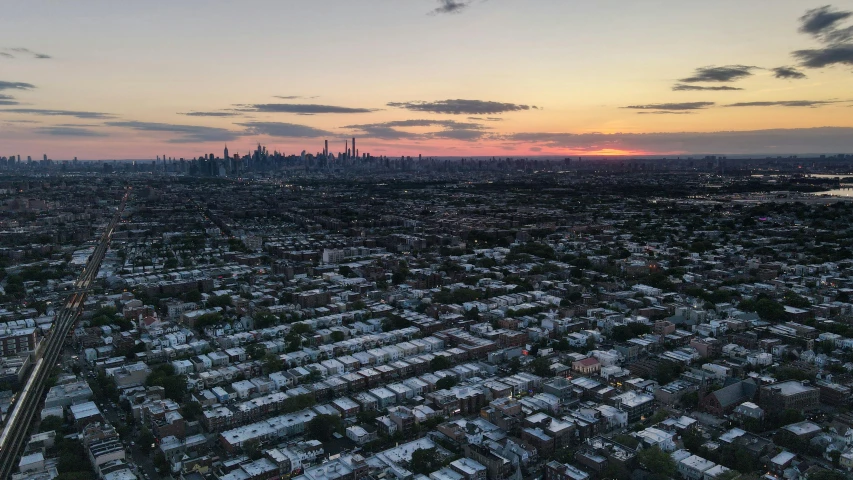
736 393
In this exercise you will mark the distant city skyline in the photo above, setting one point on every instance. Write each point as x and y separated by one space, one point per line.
482 78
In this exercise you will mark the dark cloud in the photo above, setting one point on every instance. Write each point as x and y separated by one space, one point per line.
680 87
464 134
16 86
58 113
429 123
21 121
287 130
778 141
65 131
824 57
727 73
7 100
785 103
187 133
292 97
14 52
672 106
665 112
821 23
789 73
461 107
303 108
450 6
211 114
449 129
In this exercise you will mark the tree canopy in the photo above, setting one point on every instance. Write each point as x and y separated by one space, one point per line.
658 462
322 427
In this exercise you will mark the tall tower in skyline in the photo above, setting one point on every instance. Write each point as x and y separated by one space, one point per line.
354 154
226 152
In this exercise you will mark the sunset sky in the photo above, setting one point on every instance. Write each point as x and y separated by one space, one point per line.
106 79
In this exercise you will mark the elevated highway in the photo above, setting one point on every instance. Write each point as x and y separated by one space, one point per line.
15 431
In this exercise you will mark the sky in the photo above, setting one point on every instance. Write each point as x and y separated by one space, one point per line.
98 79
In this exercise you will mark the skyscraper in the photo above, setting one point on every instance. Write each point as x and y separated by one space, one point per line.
354 151
225 156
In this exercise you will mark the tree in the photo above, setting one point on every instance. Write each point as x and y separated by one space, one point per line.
300 328
51 423
445 382
104 387
690 400
193 296
590 343
826 475
616 471
322 427
627 440
425 461
191 410
658 462
667 371
729 475
541 366
399 276
294 342
770 310
175 386
219 301
146 440
208 320
835 456
159 461
256 351
297 403
70 453
562 345
439 362
514 365
264 320
795 300
337 336
692 442
76 476
272 363
367 416
252 449
621 333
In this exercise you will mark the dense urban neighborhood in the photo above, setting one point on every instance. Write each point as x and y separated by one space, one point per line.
405 320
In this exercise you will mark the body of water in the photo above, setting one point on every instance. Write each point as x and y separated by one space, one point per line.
838 192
